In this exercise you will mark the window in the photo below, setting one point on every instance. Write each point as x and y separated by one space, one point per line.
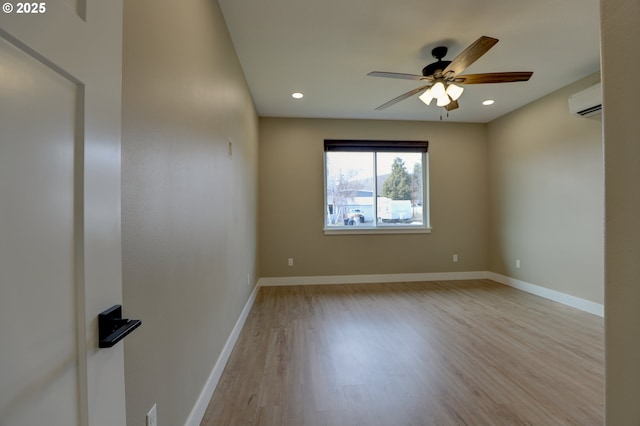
376 186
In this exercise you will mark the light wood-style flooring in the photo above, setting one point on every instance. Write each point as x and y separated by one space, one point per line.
430 353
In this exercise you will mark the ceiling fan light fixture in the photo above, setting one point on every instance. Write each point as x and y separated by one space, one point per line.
454 91
443 100
427 96
438 90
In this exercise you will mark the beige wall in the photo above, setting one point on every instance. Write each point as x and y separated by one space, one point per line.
620 33
292 211
189 211
546 191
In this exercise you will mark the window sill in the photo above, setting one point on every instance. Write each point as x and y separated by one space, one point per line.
380 230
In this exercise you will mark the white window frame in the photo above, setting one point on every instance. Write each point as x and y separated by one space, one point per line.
377 147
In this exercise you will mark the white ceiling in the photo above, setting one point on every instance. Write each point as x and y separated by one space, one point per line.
325 48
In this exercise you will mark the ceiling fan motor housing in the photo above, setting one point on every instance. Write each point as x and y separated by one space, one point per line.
439 66
435 69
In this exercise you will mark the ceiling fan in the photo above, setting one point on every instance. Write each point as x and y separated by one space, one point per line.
442 77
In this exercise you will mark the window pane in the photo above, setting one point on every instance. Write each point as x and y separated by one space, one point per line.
350 189
376 189
399 190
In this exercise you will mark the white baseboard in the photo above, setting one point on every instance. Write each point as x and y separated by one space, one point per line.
198 411
556 296
374 278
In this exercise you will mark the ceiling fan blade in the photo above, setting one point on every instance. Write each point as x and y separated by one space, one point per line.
494 77
401 97
398 75
470 55
452 105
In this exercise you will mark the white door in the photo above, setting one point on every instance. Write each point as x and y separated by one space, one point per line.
60 75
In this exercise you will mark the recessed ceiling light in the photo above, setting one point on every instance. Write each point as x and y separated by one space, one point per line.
488 102
297 95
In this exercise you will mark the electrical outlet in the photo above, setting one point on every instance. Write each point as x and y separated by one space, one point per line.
152 416
455 257
290 261
517 263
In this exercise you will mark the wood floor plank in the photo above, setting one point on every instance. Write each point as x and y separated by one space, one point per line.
431 353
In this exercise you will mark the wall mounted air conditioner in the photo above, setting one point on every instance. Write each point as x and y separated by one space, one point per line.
587 102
